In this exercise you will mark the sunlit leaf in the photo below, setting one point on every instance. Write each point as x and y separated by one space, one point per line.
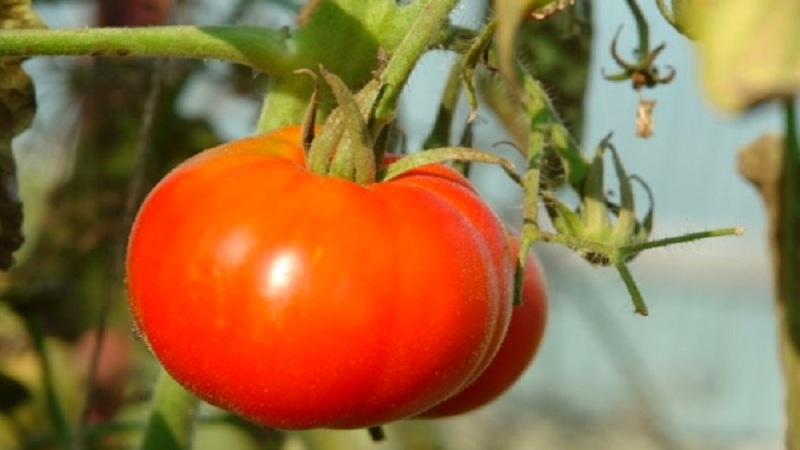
17 107
749 51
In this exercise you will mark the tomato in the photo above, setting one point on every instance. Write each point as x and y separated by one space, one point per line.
298 300
516 352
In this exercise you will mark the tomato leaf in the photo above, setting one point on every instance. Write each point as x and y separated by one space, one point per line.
749 51
17 108
373 25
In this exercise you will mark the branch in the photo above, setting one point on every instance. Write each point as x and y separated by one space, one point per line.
263 49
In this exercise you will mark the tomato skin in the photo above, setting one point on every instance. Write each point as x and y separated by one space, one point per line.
499 255
302 301
516 353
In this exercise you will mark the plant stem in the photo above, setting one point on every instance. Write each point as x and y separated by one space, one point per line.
636 295
171 420
414 44
261 48
54 407
642 28
283 105
788 288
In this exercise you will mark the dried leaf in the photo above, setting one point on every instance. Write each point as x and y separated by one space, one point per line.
644 118
17 108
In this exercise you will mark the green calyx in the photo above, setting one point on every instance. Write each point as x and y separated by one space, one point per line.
449 154
345 146
349 145
599 219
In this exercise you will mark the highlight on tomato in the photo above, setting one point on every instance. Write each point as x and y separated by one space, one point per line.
299 300
516 353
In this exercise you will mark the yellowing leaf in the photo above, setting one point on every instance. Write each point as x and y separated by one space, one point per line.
17 107
749 51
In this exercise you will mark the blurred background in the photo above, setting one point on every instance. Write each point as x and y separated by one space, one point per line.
700 373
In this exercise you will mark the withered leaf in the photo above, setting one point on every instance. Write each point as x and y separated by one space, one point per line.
17 108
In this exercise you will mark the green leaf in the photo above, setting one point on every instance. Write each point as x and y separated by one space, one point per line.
749 51
370 26
17 108
377 32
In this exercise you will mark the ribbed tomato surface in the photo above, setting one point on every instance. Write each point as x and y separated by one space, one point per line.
299 300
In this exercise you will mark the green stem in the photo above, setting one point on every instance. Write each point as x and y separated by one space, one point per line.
470 61
548 129
788 247
636 296
535 107
642 27
54 408
576 243
261 48
171 420
284 103
432 15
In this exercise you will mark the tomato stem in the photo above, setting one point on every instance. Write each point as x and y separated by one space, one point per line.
470 61
55 408
787 247
618 256
261 48
416 41
633 289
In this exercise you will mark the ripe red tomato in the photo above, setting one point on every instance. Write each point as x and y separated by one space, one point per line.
516 353
300 301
